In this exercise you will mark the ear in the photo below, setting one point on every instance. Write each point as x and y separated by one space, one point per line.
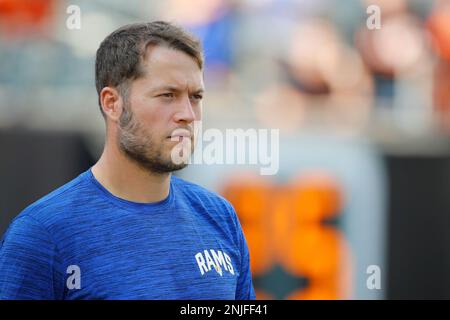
112 103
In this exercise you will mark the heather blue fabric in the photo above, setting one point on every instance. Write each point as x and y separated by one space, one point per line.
187 246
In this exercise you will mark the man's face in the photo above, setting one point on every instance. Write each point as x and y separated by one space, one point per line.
160 111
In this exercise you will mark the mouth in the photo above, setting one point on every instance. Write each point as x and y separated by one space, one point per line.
178 138
180 134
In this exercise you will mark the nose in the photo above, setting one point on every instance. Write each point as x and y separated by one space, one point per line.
186 112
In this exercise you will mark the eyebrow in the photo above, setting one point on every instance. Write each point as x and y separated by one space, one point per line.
174 89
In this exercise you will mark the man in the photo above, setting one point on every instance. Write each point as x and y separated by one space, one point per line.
127 228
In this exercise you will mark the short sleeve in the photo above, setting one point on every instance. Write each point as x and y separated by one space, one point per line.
244 290
29 266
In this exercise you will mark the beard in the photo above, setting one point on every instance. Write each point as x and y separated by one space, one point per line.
142 147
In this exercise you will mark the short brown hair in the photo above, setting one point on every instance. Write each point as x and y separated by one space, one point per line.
119 56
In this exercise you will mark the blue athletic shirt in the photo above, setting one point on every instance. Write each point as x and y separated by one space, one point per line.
82 242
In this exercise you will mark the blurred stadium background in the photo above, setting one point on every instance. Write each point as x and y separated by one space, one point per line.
364 119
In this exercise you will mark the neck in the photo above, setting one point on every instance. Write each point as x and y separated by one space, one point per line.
127 180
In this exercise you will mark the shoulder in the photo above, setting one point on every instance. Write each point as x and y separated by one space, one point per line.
55 204
197 192
197 196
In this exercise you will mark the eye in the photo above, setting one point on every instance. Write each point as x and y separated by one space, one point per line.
197 97
167 95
